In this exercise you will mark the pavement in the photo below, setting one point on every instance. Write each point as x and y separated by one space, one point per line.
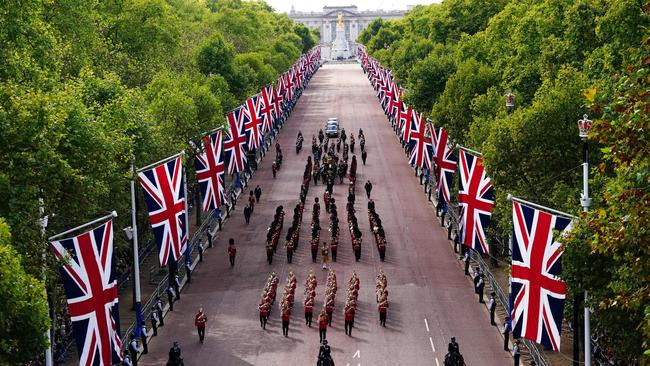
429 296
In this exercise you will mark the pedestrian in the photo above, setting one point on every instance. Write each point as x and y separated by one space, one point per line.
143 338
251 200
492 305
364 156
154 322
324 252
286 315
258 193
479 288
232 251
466 259
506 334
383 309
368 187
177 287
170 298
133 350
199 321
516 352
159 310
247 214
322 325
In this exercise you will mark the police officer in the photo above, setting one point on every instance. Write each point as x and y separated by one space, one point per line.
516 352
143 339
133 350
159 310
506 334
177 287
201 250
480 285
170 298
466 259
492 305
154 322
127 360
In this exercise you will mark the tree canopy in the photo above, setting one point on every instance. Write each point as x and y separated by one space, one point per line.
561 59
86 85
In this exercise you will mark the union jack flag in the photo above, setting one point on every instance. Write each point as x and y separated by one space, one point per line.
164 190
235 143
420 142
537 291
210 171
475 200
396 101
405 118
253 122
445 162
88 274
278 101
267 108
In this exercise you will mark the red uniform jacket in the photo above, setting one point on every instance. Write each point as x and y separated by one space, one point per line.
199 320
322 322
232 251
349 313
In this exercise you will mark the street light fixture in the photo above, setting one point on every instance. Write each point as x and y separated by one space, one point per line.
584 126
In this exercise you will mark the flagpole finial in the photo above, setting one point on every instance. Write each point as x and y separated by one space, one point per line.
114 213
509 198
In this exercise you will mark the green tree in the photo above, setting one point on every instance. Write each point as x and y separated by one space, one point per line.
23 307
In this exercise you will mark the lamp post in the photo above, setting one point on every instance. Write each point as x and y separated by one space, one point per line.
510 100
584 126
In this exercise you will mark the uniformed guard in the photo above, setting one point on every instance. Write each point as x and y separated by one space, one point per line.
258 193
309 309
170 298
154 322
322 325
133 350
159 310
479 288
177 287
232 251
127 360
143 338
492 305
507 328
324 251
466 259
516 352
368 186
199 321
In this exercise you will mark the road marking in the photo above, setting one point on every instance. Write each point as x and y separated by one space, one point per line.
357 354
426 324
432 346
437 363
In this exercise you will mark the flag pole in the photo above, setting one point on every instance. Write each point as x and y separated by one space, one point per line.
188 249
136 253
112 214
49 361
469 150
161 161
560 213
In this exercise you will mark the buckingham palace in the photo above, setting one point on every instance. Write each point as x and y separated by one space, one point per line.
354 21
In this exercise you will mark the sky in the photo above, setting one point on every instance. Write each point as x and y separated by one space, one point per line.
284 6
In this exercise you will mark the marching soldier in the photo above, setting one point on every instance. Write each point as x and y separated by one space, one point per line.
269 252
286 315
199 321
364 156
232 251
349 319
314 251
251 201
258 193
383 309
322 325
334 248
289 246
325 254
357 250
368 187
329 308
264 308
309 308
274 168
247 214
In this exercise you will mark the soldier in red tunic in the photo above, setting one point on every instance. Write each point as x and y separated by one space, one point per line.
232 251
322 325
199 322
264 312
349 318
309 308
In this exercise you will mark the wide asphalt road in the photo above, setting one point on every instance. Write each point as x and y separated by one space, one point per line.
430 298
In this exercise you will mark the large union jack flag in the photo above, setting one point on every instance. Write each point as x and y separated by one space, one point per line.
268 108
420 142
405 116
235 142
289 85
475 201
278 101
88 274
164 190
253 122
537 291
445 162
210 171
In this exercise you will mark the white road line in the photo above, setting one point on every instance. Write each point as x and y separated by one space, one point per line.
426 324
437 363
432 346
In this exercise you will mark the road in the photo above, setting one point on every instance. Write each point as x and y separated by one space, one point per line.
430 298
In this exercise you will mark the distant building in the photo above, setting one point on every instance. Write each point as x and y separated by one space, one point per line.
354 21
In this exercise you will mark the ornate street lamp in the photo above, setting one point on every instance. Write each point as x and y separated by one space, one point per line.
510 100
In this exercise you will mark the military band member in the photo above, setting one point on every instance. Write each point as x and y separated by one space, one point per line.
232 251
264 308
349 319
199 321
322 325
324 251
309 308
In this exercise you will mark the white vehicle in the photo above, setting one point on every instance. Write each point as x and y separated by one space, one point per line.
332 128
